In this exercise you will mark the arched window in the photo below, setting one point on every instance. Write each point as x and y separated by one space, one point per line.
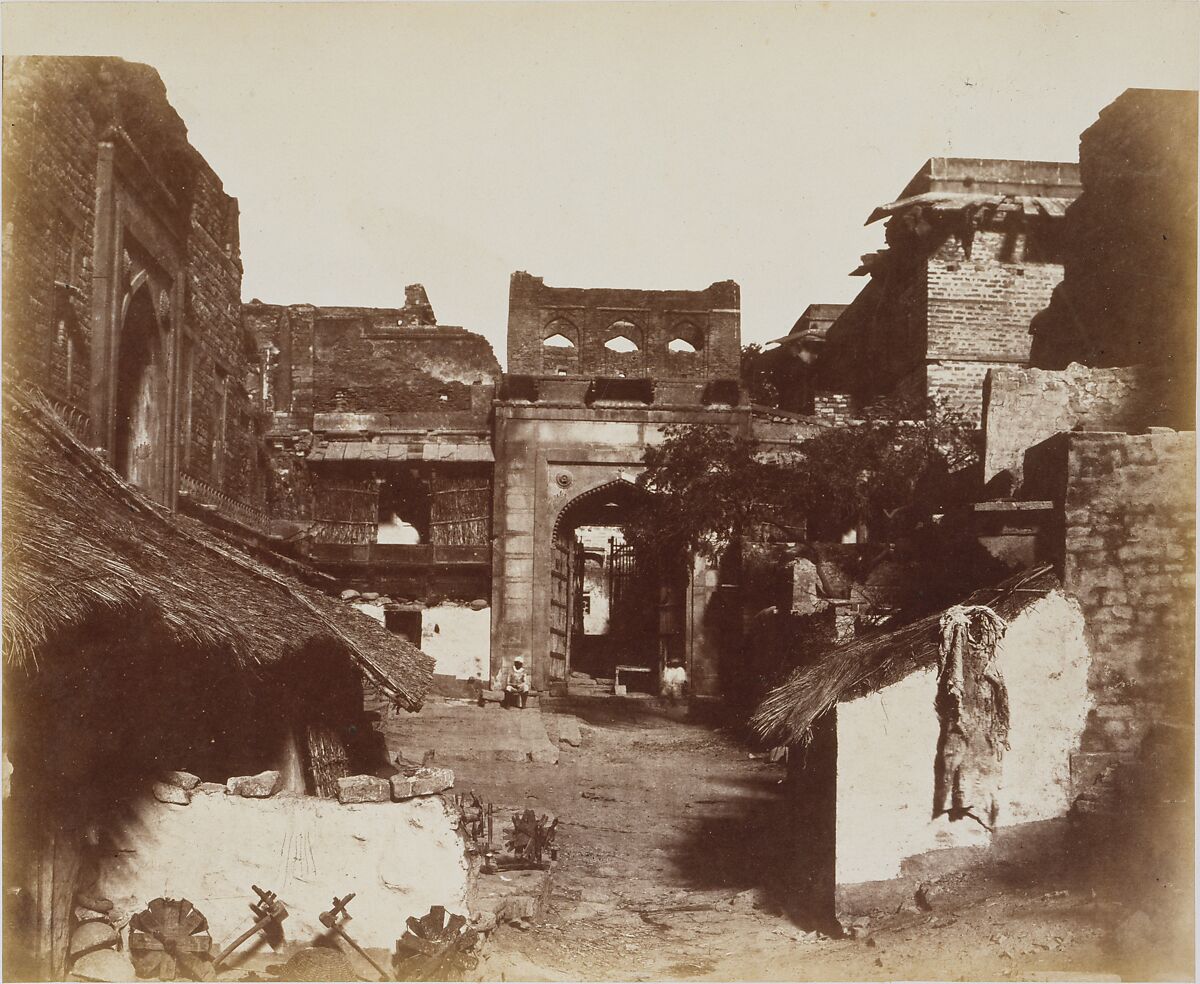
680 345
558 340
621 343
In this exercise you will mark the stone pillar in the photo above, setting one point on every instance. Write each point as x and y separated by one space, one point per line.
701 640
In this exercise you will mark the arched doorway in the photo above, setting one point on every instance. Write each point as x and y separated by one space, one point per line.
139 409
609 607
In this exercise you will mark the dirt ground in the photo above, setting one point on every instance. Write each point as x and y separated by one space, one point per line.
668 848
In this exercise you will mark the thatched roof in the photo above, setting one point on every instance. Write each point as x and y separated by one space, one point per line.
80 544
871 662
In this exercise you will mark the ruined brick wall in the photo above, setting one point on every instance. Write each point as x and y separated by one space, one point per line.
360 368
371 360
1129 293
60 112
284 339
935 328
708 321
956 288
49 191
224 352
979 309
1026 406
833 406
1127 551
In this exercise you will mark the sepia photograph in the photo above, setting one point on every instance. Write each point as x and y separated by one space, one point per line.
599 491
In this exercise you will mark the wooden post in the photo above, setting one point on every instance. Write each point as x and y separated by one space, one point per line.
812 828
54 880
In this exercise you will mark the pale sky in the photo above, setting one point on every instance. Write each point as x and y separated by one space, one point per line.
609 145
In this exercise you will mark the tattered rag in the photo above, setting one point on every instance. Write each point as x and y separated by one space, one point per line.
972 706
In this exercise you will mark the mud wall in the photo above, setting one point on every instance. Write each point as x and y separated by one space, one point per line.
399 859
459 638
886 745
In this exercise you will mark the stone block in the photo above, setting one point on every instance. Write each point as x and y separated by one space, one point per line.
104 965
510 755
568 731
184 780
256 787
208 788
517 907
363 789
425 781
544 756
164 792
93 935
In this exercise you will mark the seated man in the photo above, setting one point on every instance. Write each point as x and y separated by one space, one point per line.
674 681
516 683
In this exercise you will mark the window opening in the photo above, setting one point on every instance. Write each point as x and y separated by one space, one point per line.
621 344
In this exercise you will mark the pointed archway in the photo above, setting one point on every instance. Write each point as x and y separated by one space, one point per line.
140 403
609 607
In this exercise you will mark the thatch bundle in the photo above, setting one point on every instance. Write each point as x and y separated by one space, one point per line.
346 511
460 508
81 544
871 662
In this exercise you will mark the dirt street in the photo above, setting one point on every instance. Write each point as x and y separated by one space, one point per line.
668 848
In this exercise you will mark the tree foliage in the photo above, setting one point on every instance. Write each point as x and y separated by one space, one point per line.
885 474
757 378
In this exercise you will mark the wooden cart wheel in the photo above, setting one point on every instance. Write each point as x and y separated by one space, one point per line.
167 938
435 949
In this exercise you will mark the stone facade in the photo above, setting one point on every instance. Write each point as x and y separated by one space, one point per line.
561 443
122 279
1129 292
678 334
1025 406
973 254
381 451
1126 545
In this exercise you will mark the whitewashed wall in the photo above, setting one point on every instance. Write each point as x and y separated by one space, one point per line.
459 639
400 858
887 743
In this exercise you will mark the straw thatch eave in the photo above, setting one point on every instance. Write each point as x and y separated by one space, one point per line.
872 662
81 544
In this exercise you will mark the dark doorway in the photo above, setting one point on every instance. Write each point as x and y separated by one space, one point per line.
406 624
609 607
137 445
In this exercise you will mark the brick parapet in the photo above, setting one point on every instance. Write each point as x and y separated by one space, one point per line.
709 320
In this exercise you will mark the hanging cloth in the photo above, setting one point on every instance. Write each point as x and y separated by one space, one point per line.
972 707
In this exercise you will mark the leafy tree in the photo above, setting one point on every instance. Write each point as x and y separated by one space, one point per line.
887 473
883 475
757 377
